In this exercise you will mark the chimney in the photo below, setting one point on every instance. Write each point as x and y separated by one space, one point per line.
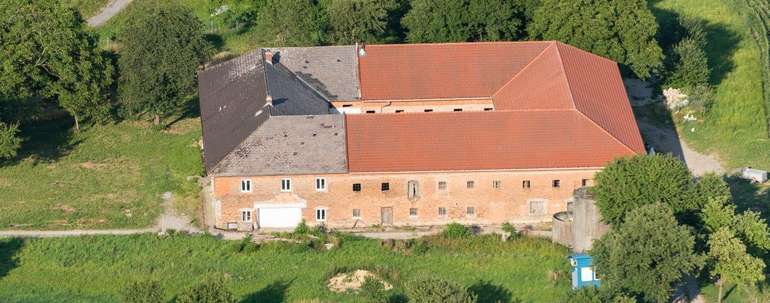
269 56
361 49
269 100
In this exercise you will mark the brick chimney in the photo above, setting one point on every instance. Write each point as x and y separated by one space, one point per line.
269 56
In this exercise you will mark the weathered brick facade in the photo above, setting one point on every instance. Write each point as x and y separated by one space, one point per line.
510 202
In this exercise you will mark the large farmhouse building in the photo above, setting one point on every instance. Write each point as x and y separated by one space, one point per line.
411 134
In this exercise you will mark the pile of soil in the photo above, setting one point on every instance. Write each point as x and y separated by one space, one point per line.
352 281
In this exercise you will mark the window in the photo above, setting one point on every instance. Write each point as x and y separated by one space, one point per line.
369 111
496 184
356 213
458 109
428 110
385 186
399 111
413 212
320 214
584 182
536 208
347 105
441 185
442 211
356 187
285 184
413 190
320 184
470 211
556 183
486 109
245 215
470 184
246 186
525 184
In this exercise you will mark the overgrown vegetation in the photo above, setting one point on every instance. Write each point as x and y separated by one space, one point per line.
98 268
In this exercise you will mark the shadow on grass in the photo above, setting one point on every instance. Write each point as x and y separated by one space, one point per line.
45 140
273 293
491 293
8 250
749 196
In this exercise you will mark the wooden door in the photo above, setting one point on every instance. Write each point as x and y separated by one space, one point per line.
386 215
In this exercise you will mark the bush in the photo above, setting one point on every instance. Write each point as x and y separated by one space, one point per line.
143 292
432 290
691 68
213 291
301 228
511 230
596 295
456 230
373 290
9 142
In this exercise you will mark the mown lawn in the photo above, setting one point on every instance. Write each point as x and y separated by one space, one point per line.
96 268
107 176
735 128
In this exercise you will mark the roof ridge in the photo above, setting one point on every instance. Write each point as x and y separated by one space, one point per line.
605 131
522 70
566 79
462 43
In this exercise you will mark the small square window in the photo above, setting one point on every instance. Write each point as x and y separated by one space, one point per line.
413 212
356 213
369 111
285 184
441 185
497 184
385 186
470 211
399 111
320 214
246 215
458 109
320 184
486 109
470 184
526 184
428 110
584 182
442 211
556 183
246 186
356 187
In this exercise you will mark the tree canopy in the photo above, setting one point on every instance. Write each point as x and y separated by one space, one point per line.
161 49
352 21
463 20
647 254
622 30
730 261
291 23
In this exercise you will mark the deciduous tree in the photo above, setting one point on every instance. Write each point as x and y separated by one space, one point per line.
463 20
292 23
622 30
352 21
731 263
9 142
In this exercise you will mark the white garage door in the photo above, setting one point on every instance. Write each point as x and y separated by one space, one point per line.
279 217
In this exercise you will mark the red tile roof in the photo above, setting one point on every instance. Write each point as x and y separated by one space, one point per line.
556 106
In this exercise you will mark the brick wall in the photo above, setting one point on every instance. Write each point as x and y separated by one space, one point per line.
508 203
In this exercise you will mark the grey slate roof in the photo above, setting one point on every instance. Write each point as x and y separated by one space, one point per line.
285 145
290 95
330 70
232 97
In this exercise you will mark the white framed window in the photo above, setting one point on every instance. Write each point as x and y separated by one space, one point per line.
320 214
442 185
470 212
246 185
442 212
285 184
245 215
356 213
413 212
470 184
320 184
413 190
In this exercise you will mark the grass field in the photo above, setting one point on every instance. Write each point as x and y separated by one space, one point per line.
735 128
87 8
103 177
95 269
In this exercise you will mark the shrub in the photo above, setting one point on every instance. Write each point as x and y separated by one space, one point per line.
143 292
9 142
432 290
456 230
511 230
373 290
212 291
301 228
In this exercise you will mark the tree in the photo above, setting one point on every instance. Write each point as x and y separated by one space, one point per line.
49 56
9 142
162 46
730 261
647 254
291 23
623 30
352 21
629 183
691 69
432 290
213 291
748 226
463 20
143 292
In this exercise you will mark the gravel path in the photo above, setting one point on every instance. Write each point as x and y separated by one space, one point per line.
667 140
108 11
169 219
